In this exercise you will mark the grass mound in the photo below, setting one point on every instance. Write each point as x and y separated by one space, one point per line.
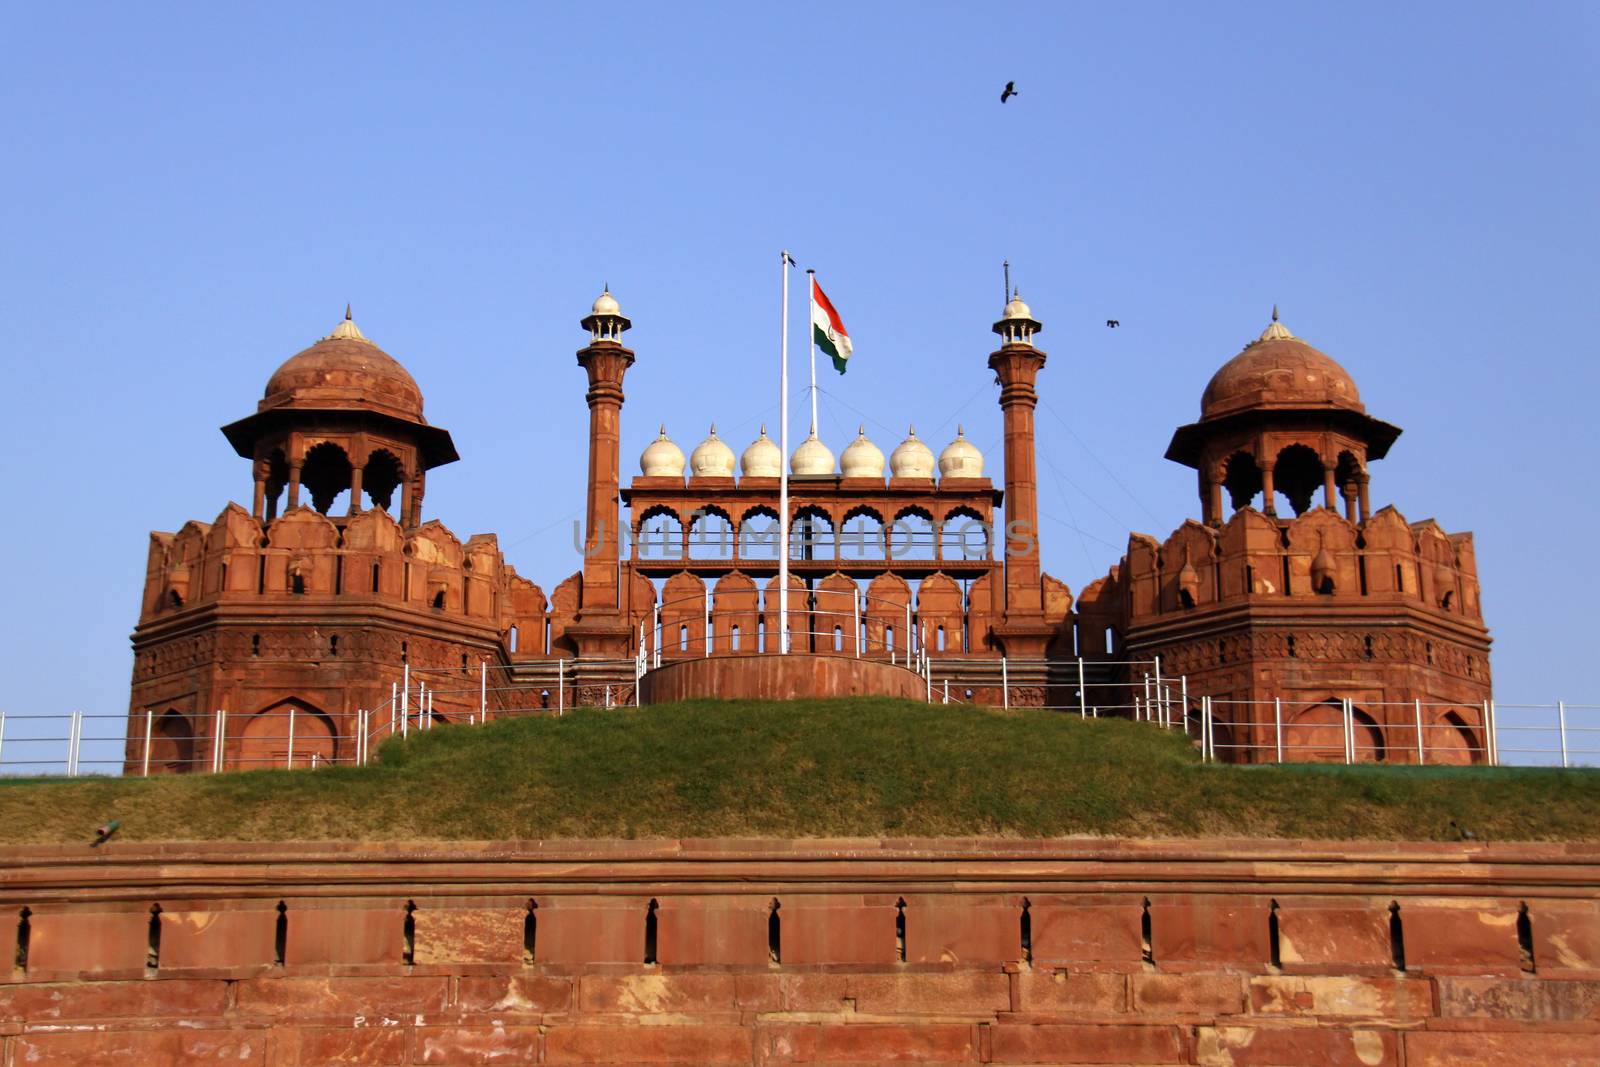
875 767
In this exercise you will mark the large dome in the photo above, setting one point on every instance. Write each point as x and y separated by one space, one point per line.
1278 370
344 370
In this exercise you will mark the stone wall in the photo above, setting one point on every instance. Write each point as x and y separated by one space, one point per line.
941 952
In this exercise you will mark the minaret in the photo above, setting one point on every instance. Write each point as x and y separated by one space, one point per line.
601 630
1017 364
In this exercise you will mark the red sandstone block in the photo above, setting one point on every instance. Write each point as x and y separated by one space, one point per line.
218 939
1566 938
345 935
649 1044
963 933
461 1045
468 935
1188 994
650 994
718 931
1391 999
121 1048
1202 929
99 1000
813 992
871 1043
1482 940
525 993
1521 1000
1274 1046
982 993
1041 993
370 1046
1086 1044
334 997
73 941
1091 934
1500 1049
1334 937
579 935
839 932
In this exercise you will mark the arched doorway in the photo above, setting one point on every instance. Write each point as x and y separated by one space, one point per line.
172 744
264 744
1316 735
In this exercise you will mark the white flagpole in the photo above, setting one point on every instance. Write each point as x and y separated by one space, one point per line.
811 332
783 470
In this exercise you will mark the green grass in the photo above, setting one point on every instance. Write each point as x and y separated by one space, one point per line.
807 769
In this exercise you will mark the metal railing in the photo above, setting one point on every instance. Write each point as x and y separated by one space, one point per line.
1558 734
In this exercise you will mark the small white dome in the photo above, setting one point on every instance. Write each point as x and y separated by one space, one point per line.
606 304
861 458
912 458
1016 309
762 459
661 458
711 458
812 457
960 459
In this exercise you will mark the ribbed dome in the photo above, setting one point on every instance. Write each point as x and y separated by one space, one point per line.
911 458
606 304
960 458
711 458
762 459
1016 309
661 458
344 370
812 457
861 458
1278 370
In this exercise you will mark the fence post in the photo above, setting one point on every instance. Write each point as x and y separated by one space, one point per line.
1561 723
483 690
608 696
1492 733
289 762
1161 712
561 687
655 632
74 724
855 614
946 700
394 703
2 741
1005 684
149 728
1205 729
1349 730
1421 759
705 630
1277 726
1083 693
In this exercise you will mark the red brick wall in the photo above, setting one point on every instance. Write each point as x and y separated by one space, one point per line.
906 951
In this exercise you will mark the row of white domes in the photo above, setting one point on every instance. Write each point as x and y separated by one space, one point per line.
712 458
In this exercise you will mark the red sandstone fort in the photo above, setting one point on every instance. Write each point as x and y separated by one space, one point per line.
1334 631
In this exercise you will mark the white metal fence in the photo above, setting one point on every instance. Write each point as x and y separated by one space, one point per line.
1558 734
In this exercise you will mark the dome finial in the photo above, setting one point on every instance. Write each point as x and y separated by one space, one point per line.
347 311
1274 312
1276 330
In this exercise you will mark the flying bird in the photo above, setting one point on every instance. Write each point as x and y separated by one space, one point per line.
1113 323
1008 92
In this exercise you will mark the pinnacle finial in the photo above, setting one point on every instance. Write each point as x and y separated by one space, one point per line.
861 430
961 431
347 312
713 429
1274 312
605 287
913 432
663 429
763 429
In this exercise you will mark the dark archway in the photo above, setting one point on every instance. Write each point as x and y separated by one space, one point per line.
1242 478
1297 474
325 474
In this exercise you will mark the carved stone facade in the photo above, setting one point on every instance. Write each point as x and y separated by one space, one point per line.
291 621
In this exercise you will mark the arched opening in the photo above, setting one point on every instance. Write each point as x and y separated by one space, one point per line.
861 535
1451 740
758 535
660 535
1317 734
290 727
381 477
912 535
1297 474
963 535
172 744
1242 479
325 474
811 535
710 534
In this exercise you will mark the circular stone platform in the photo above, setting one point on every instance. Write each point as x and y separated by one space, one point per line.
773 677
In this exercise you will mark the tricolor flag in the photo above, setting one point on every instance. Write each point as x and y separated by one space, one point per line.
827 329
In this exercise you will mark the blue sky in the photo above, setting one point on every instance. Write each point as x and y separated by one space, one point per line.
191 194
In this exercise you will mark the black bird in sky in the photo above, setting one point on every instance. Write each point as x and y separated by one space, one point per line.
1008 92
1113 323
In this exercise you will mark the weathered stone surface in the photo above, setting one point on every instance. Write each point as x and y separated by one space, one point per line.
687 1044
1499 1049
870 1043
475 1044
1187 994
1395 999
517 994
368 1046
468 935
1061 993
1083 1043
1526 1000
1269 1046
1321 937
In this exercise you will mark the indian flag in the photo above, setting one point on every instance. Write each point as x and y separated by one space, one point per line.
827 329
